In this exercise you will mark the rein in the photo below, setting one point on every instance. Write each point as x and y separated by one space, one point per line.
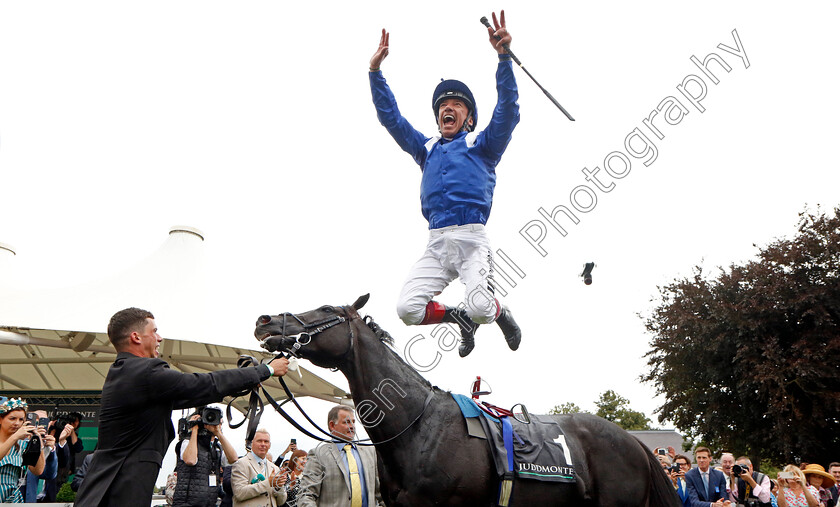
256 405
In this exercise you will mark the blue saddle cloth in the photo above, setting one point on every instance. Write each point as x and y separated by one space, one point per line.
539 449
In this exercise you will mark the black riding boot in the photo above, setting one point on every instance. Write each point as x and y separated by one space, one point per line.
513 335
468 327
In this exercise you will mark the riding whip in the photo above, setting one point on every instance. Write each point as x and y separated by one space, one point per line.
515 59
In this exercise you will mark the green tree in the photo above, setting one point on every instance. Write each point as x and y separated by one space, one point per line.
747 360
566 408
613 407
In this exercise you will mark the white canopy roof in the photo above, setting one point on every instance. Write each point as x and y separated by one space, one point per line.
55 340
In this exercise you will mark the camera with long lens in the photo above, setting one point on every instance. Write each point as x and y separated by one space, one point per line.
59 425
738 469
211 416
207 416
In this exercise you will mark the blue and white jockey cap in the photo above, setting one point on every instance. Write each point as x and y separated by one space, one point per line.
451 89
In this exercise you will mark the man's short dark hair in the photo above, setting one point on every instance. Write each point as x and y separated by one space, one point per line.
332 417
124 322
75 416
680 456
702 449
833 464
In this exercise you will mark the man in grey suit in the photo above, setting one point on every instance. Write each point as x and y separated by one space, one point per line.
339 473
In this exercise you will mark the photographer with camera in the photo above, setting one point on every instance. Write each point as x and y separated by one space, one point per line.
32 494
677 473
135 419
69 443
752 489
20 449
664 462
200 460
63 429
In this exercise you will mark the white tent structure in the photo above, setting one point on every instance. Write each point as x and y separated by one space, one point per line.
55 340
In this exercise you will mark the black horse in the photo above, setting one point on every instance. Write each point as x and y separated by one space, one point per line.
421 438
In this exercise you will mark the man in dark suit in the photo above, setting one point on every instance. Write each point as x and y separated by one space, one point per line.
706 486
135 421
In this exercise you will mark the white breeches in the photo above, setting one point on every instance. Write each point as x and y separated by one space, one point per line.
460 251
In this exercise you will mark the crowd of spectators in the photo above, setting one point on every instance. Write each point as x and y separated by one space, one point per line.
257 479
735 482
37 453
209 471
37 456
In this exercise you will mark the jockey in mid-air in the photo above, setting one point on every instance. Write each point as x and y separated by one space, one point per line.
456 194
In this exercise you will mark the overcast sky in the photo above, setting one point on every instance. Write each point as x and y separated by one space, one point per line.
252 121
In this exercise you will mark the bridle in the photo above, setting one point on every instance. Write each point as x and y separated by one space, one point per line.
303 339
310 330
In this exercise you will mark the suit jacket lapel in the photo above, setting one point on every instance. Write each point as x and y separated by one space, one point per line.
254 466
712 484
336 454
697 481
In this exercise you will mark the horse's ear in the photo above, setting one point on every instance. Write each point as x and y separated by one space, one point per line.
361 302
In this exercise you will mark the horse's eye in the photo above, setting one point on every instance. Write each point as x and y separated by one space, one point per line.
328 309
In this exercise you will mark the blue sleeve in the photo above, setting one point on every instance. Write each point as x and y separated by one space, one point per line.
494 139
50 467
409 139
694 501
31 488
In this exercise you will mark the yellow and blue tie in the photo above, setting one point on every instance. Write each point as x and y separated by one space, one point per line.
355 483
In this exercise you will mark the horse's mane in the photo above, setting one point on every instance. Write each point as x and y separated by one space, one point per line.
384 336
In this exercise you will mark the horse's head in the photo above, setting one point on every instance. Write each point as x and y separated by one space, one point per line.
323 336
